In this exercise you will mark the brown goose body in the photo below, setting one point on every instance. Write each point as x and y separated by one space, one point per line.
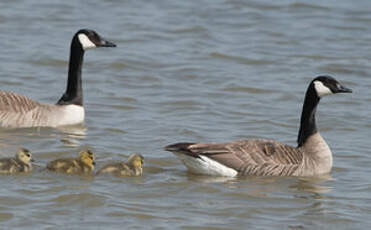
17 111
262 157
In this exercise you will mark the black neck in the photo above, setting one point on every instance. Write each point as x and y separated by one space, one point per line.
73 94
308 116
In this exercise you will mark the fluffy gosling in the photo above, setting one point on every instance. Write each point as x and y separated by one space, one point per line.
20 163
133 167
83 164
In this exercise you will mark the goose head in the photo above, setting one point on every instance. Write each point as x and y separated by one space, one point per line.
136 160
24 155
88 158
89 39
327 85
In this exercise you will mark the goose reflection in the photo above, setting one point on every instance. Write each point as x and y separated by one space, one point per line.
209 179
313 184
71 135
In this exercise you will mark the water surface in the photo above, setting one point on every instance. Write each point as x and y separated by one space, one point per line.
205 71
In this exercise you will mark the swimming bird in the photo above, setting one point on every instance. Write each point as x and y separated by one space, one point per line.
133 167
20 163
262 157
18 111
83 164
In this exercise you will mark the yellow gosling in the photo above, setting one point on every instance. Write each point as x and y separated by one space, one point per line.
84 164
20 163
133 167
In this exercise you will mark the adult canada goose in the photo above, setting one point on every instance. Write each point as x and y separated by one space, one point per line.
20 163
133 167
83 164
262 157
19 111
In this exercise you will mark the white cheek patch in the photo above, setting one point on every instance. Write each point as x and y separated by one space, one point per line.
85 42
321 89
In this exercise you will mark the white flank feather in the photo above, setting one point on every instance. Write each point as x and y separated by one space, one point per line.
206 166
72 114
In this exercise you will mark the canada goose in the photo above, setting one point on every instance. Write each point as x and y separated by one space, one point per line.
21 162
133 167
19 111
84 164
262 157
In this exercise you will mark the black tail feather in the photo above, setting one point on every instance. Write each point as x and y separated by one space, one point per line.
182 148
178 147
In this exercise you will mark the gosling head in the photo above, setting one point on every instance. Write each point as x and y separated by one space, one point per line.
89 39
327 85
87 157
24 155
136 160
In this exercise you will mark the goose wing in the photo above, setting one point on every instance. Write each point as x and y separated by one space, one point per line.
248 157
20 111
15 103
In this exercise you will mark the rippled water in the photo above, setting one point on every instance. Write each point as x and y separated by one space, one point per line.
188 71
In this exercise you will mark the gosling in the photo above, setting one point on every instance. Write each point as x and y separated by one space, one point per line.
84 164
133 167
20 164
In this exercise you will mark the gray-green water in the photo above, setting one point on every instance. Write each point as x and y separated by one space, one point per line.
188 71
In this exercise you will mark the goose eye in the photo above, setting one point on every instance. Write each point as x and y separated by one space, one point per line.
95 38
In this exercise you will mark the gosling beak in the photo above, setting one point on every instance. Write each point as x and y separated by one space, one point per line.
32 160
94 163
105 43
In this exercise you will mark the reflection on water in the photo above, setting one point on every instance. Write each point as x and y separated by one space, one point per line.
72 135
76 131
267 186
211 179
313 184
307 184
